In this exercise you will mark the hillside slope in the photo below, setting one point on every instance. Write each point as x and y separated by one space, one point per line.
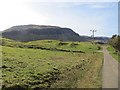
45 32
40 32
35 69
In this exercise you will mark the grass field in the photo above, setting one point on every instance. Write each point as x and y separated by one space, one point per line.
113 52
86 47
53 44
29 68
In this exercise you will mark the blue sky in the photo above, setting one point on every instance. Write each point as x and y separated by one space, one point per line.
79 16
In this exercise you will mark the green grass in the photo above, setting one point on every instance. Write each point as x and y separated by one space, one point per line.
62 45
113 52
36 68
77 46
11 43
87 75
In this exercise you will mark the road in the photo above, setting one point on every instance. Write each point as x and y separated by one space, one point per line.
110 71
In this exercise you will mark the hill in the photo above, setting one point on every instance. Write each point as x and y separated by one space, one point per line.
36 65
40 32
44 32
52 45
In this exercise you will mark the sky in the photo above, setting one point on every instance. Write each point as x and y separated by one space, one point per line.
81 15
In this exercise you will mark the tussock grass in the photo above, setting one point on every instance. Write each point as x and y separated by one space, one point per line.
30 68
86 75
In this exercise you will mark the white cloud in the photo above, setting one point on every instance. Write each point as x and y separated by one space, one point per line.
101 5
17 13
73 1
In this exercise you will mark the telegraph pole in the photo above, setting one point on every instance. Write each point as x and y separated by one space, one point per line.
93 35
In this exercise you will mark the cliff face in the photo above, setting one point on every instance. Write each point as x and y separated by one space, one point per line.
40 32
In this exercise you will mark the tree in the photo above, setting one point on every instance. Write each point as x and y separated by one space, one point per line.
115 42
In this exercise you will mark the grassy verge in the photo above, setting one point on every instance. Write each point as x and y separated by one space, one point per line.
113 52
93 76
87 75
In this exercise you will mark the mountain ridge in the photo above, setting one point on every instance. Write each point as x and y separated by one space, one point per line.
42 32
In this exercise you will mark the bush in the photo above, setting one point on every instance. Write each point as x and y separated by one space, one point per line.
99 47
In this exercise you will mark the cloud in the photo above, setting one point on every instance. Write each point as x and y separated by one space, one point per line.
17 13
72 0
101 5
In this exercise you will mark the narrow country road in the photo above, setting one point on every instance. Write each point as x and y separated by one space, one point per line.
110 71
